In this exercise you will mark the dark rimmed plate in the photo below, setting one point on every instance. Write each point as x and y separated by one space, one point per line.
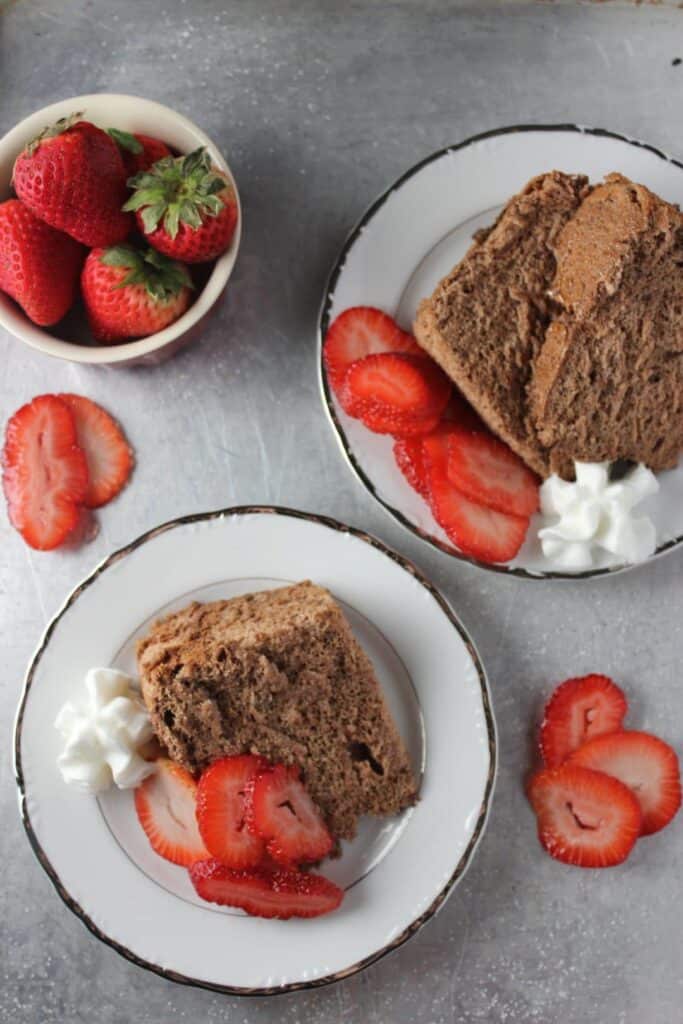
93 850
415 232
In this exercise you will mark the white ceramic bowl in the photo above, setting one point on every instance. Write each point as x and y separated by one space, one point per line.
133 114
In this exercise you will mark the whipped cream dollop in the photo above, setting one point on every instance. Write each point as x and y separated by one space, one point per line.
104 733
592 515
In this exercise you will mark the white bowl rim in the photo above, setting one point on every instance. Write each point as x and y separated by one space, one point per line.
40 339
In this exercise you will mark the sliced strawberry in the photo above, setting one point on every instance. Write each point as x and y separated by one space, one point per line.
45 475
399 426
261 893
221 811
409 459
584 817
480 532
108 454
395 384
486 471
644 763
281 812
165 805
579 710
359 332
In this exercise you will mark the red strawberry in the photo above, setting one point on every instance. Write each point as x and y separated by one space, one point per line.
486 471
584 817
221 811
395 384
186 207
644 763
165 805
106 450
359 332
409 459
399 426
478 531
138 152
280 894
72 176
281 812
131 293
579 710
45 476
39 266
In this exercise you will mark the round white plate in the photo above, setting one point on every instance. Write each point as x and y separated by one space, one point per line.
94 849
416 232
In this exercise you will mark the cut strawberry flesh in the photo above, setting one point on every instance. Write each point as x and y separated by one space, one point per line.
221 811
486 471
579 710
409 459
45 475
478 531
358 332
395 383
165 806
106 450
644 763
261 893
282 813
398 426
584 817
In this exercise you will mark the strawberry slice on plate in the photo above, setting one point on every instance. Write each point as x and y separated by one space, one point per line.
397 425
45 474
281 894
409 458
486 471
165 806
584 817
579 710
221 811
478 531
395 383
282 813
644 763
108 454
358 332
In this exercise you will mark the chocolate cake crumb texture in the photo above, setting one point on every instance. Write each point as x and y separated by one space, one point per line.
278 673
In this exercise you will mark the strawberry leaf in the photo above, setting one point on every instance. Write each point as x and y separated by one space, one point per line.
160 276
151 215
126 141
178 190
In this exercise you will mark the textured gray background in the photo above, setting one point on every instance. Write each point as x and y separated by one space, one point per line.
318 106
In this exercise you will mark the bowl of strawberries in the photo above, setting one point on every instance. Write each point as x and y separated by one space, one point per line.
120 223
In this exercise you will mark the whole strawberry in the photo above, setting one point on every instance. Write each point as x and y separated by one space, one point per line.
72 176
138 151
186 207
39 266
132 293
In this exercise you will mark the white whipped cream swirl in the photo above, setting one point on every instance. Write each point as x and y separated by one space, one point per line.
591 515
104 734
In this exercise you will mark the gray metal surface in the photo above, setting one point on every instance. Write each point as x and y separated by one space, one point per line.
318 106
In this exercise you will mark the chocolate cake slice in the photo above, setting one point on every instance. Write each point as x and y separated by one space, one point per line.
486 321
608 382
278 673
